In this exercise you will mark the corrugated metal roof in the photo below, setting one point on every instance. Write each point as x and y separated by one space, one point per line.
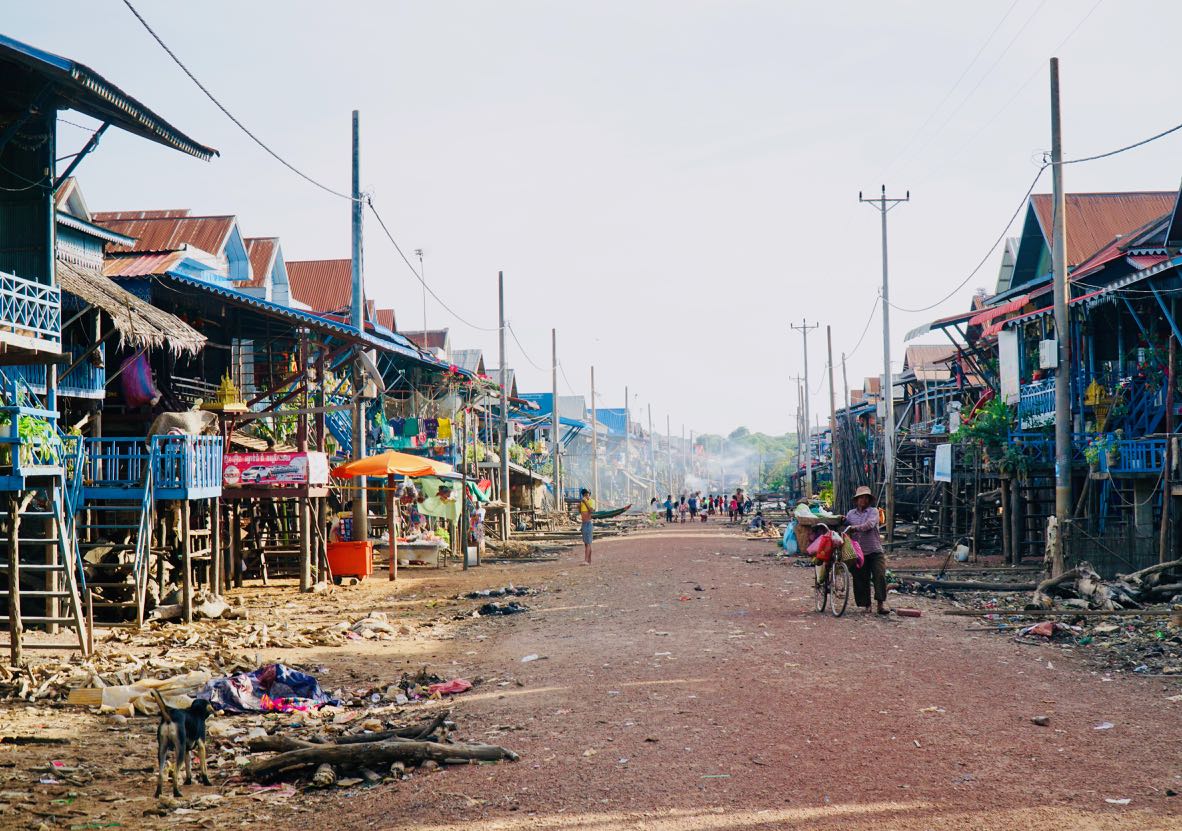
431 339
140 265
470 360
164 213
81 88
322 285
396 344
385 317
1095 219
208 233
261 251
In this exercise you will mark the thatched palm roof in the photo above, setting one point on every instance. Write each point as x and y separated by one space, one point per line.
139 323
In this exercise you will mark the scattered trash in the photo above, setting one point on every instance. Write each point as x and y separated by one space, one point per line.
453 687
1121 801
908 613
1041 721
273 688
1104 725
530 658
500 609
507 591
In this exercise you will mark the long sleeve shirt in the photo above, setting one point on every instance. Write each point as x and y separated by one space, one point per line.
863 528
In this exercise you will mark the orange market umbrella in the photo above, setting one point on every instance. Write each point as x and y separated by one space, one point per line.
391 464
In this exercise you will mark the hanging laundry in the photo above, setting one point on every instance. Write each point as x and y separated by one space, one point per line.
444 429
397 425
430 427
410 428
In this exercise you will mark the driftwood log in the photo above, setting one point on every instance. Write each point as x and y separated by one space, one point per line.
1138 578
970 585
375 755
283 744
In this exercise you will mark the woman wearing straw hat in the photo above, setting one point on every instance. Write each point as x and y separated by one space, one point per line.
863 528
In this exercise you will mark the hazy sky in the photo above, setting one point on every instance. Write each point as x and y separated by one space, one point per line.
669 184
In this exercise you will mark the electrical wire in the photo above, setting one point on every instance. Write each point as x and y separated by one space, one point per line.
986 74
230 115
865 328
988 254
1009 101
569 386
1124 149
419 277
919 132
524 354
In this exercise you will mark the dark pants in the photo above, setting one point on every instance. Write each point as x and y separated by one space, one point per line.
874 568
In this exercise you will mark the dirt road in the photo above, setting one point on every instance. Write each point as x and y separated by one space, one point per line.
684 682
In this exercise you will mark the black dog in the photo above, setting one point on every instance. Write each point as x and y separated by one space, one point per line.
181 731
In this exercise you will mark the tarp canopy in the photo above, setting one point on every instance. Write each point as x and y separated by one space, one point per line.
391 463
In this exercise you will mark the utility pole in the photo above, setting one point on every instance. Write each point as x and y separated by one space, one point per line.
594 441
883 204
1062 332
834 460
506 526
684 458
627 449
423 274
804 328
669 448
652 449
360 502
555 426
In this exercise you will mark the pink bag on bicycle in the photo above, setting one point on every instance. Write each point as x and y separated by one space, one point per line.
859 557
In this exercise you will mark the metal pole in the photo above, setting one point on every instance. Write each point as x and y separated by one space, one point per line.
669 449
360 501
423 274
594 442
504 426
884 204
833 446
652 450
1062 330
804 329
555 426
627 449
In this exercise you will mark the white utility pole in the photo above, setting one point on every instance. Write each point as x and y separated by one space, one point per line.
1062 331
423 274
594 442
555 425
360 501
883 204
506 527
804 328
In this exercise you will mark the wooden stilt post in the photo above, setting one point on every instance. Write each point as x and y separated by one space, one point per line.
53 578
15 627
235 534
1163 544
1016 521
186 562
216 563
305 533
1004 493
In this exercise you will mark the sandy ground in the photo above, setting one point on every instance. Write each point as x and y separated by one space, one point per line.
683 684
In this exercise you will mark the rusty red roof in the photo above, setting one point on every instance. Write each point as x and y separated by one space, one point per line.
140 265
385 317
322 285
208 233
261 251
1095 219
166 213
431 339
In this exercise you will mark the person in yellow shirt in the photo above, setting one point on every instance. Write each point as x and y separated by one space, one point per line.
586 508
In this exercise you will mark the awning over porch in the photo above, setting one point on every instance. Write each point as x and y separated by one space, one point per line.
138 323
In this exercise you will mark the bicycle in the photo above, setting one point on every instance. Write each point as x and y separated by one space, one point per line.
834 589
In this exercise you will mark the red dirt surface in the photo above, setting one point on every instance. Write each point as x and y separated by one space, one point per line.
657 705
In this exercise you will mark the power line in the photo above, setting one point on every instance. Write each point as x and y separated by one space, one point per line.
919 132
567 380
866 328
989 253
1018 91
986 74
524 354
227 113
418 276
1126 148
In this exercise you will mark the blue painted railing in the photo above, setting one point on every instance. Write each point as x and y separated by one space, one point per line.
183 467
30 313
1139 456
1036 404
1133 455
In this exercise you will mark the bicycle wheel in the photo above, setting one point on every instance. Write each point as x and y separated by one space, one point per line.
840 580
821 588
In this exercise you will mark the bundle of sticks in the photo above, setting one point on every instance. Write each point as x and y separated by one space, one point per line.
1161 583
367 753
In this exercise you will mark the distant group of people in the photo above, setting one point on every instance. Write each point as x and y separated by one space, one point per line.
690 507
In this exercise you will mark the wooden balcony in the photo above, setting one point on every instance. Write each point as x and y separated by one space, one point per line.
184 467
30 314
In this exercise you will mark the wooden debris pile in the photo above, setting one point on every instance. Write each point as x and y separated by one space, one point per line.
1082 588
369 756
